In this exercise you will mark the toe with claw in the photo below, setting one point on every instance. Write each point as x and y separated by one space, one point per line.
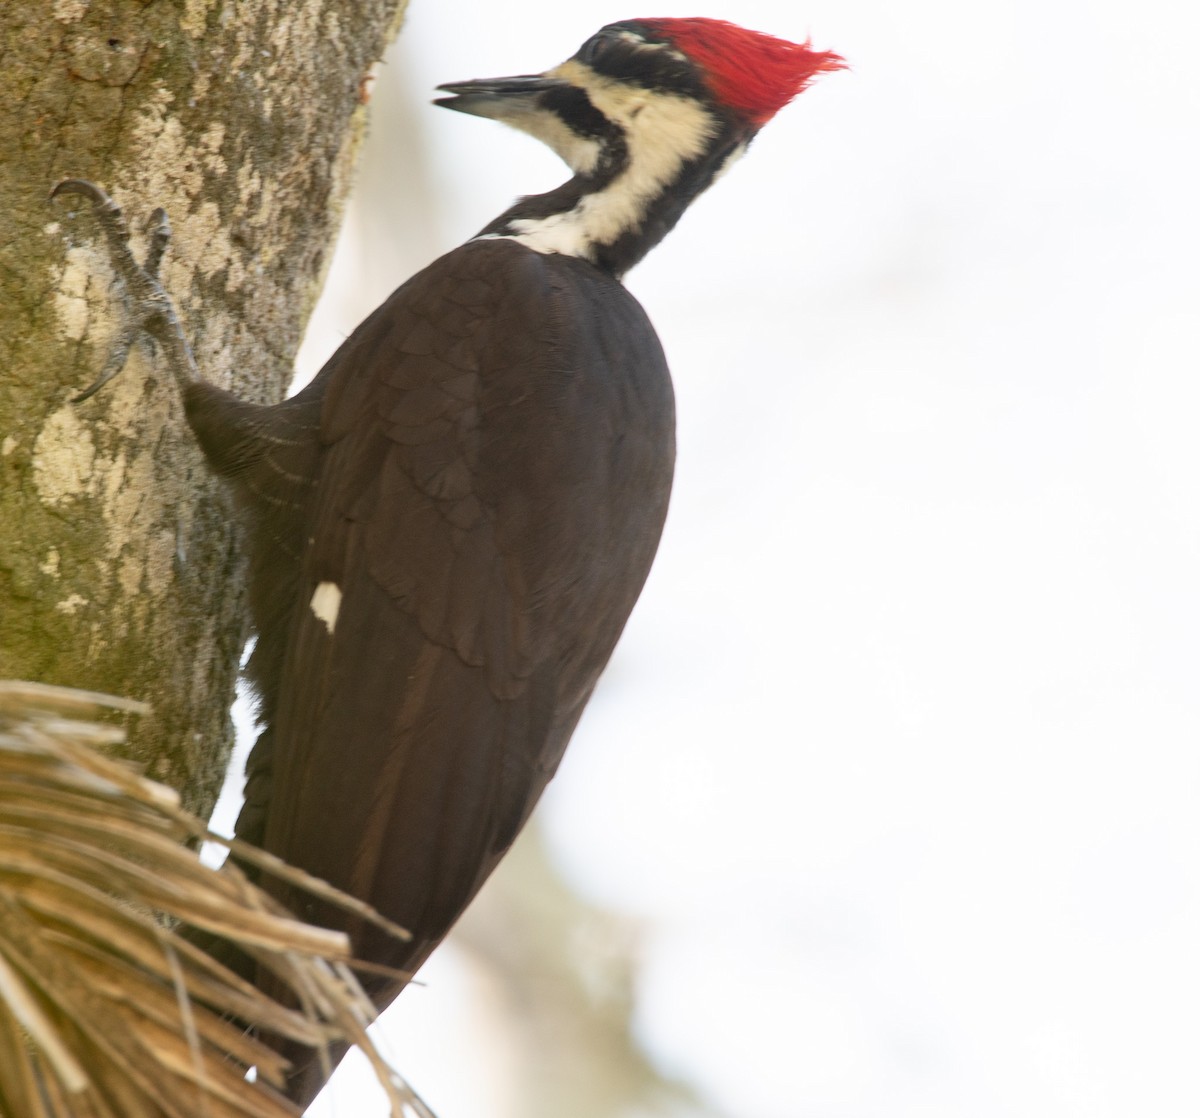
148 308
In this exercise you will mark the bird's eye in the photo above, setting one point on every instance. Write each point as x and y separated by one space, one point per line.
591 48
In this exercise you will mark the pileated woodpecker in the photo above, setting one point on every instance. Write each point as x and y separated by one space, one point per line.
449 526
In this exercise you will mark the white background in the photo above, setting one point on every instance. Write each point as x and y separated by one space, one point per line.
897 763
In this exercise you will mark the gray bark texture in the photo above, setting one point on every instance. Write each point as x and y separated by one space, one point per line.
119 569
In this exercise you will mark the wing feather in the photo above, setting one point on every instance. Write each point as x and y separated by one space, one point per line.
492 467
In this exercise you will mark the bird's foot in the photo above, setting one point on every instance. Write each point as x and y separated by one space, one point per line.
148 307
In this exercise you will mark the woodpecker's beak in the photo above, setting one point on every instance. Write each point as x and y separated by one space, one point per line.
506 99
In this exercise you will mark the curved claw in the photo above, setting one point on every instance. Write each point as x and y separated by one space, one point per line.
110 371
88 189
101 202
148 308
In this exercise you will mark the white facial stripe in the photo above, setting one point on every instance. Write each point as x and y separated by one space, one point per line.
577 152
326 601
630 37
730 160
563 233
662 131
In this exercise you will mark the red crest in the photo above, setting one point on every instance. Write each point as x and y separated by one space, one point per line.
753 73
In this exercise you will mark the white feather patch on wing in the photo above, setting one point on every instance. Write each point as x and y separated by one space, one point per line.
326 601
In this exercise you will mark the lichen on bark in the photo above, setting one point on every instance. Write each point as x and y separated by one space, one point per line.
119 568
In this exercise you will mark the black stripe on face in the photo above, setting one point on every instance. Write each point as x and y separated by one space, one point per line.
663 211
574 108
641 62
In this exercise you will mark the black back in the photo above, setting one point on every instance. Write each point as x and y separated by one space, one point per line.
483 470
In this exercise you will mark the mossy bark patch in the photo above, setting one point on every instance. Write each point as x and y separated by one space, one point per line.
119 565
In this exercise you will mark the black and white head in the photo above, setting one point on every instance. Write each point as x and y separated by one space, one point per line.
647 113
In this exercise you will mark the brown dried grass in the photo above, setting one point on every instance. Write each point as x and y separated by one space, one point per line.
104 1011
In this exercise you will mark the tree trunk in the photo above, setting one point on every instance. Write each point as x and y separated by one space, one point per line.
118 562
